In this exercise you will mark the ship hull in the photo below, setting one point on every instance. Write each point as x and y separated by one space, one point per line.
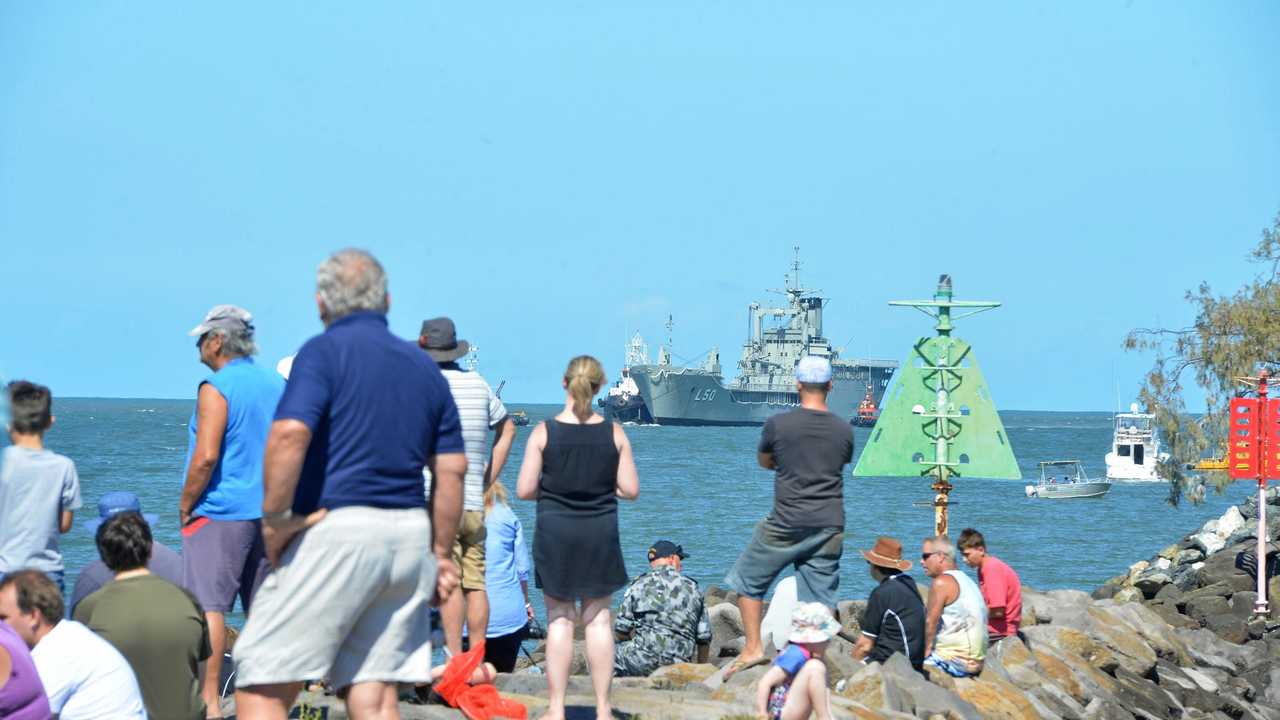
630 410
688 396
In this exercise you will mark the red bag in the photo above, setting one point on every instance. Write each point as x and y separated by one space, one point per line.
477 702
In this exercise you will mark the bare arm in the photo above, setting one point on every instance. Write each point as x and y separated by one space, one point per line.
503 438
531 468
628 479
64 522
863 647
211 424
282 463
766 461
944 591
447 471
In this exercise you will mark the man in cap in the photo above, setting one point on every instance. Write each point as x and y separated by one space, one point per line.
480 411
662 617
221 502
895 613
164 562
807 448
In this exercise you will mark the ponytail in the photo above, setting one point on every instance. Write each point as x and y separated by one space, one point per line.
584 377
495 493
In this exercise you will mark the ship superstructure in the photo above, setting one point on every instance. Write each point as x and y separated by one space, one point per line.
777 337
622 402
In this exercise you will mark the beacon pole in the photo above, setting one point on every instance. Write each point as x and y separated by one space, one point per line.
1264 464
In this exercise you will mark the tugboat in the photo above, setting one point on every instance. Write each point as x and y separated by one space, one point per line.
520 418
867 411
622 403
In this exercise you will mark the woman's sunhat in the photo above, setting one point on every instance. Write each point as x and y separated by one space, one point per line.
812 623
887 553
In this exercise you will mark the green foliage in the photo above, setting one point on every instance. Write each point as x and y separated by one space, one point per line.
1232 337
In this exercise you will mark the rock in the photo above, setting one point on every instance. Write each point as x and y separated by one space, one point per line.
1137 693
1230 521
1153 630
1231 628
1210 526
742 684
1221 568
1019 664
1208 542
1056 605
1069 642
1136 569
681 675
1102 592
1184 689
871 687
998 699
1169 613
1242 603
1200 608
1169 593
1186 577
839 660
1136 593
1211 651
1188 556
1205 682
1218 589
1169 552
726 627
925 698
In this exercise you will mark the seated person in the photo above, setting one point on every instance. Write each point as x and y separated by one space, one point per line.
956 619
664 616
795 687
894 619
1000 585
84 677
164 562
156 625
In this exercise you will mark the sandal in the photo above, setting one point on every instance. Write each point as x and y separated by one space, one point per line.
738 665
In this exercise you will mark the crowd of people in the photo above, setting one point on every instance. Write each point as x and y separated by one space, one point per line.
374 467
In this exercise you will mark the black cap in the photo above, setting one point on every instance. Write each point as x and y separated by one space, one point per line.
665 548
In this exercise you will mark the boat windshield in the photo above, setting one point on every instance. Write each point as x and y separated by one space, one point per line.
1056 473
1133 423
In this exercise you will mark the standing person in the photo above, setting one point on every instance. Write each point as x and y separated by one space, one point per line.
895 613
1001 588
664 615
356 557
21 692
506 576
84 677
166 642
807 448
221 499
164 562
480 411
955 638
576 466
39 489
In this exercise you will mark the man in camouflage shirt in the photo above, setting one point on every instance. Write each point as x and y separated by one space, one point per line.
664 616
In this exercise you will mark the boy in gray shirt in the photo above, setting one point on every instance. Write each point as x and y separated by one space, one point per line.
39 489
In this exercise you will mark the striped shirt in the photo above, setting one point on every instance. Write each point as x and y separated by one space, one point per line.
480 410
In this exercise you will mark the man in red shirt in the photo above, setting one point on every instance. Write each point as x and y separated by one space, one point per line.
1001 588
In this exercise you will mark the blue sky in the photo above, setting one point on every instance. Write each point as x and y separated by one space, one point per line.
556 175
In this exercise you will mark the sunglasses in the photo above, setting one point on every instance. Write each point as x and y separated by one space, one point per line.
925 556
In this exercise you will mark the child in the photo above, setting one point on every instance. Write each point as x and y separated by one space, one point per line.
39 489
796 685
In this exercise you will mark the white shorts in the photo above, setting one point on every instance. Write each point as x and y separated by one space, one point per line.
349 603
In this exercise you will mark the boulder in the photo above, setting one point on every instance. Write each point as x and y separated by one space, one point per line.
1152 629
873 688
1017 661
1168 612
1200 608
1188 556
1056 605
1218 589
1184 689
1229 627
925 698
1138 693
1230 521
1221 569
1208 542
1136 569
998 699
1069 642
742 684
1132 594
1186 577
1211 651
726 628
681 676
1242 603
1169 593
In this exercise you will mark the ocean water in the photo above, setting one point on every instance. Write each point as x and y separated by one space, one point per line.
701 488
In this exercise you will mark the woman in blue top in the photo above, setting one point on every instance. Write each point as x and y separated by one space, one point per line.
506 578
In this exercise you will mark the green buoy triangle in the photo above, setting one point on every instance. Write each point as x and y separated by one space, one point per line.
902 440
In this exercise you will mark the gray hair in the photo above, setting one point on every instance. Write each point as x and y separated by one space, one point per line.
350 281
237 342
943 546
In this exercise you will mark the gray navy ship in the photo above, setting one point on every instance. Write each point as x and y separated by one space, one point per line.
765 384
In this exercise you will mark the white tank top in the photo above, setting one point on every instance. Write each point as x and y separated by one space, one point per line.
962 631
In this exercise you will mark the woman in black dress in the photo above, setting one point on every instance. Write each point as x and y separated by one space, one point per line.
576 466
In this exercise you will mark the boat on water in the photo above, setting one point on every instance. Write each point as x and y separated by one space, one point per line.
765 384
622 403
867 412
1135 448
519 417
1061 479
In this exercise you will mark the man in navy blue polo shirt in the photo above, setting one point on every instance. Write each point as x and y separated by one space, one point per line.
356 558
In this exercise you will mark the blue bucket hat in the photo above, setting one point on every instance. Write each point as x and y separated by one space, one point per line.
118 502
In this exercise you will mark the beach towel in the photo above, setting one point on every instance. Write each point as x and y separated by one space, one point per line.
477 702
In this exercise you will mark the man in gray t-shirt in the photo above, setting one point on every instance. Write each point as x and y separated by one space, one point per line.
39 489
808 449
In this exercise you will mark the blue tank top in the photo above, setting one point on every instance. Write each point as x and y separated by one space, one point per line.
235 488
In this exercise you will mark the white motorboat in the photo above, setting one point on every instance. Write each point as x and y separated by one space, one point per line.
1135 448
1060 479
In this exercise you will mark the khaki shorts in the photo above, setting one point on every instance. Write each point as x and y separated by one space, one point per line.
468 549
350 603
